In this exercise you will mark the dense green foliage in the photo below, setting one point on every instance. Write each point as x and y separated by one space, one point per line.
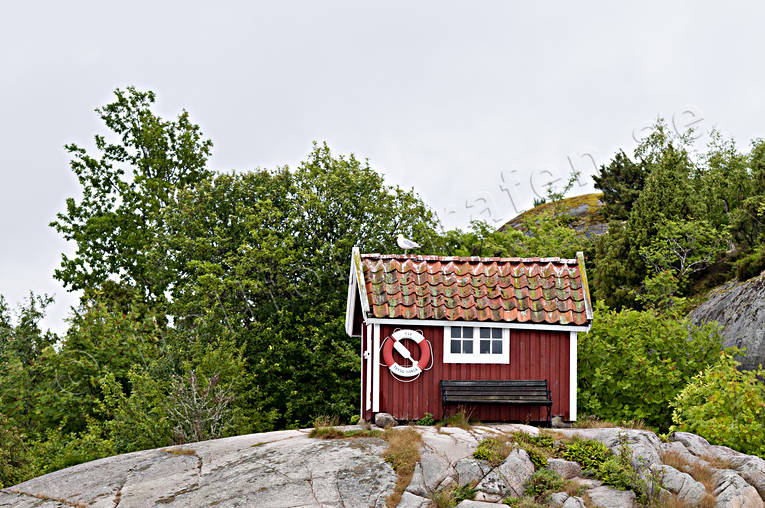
590 454
544 481
14 456
675 213
214 304
633 362
724 405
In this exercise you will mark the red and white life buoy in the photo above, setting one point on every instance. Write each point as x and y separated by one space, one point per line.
394 342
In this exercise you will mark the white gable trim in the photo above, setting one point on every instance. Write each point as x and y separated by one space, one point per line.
355 281
488 324
585 285
350 306
572 376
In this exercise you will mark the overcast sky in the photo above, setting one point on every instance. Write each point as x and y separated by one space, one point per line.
474 105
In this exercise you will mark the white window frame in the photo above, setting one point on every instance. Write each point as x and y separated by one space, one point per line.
476 356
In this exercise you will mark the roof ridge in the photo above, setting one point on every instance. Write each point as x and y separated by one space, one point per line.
469 259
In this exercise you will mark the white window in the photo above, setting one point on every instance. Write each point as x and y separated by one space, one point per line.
476 344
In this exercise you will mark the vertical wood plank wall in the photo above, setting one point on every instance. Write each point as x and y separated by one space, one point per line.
533 355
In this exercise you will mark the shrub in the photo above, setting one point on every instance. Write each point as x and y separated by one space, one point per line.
543 482
59 450
543 440
426 420
538 447
537 457
724 405
751 265
460 419
493 449
463 492
589 453
614 472
14 458
634 363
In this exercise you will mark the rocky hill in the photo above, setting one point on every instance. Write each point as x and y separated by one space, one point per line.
586 211
290 469
740 308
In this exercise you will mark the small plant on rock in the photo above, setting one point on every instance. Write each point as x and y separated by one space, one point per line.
589 453
460 419
324 427
539 448
544 482
493 450
463 492
522 502
426 420
614 472
453 495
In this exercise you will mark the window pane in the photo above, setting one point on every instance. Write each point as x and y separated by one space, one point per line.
467 332
485 346
455 347
496 333
456 332
467 347
485 333
496 347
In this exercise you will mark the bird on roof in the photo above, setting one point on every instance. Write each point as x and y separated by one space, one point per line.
406 244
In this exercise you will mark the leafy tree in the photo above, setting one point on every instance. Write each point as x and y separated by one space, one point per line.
23 347
58 450
683 247
724 405
125 187
617 268
138 420
14 455
668 192
263 261
679 249
634 363
723 177
620 181
747 221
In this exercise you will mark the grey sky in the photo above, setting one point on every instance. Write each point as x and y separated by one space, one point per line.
451 99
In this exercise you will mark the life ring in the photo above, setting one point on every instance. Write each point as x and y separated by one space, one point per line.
395 342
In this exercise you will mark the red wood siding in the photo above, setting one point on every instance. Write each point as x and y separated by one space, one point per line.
533 355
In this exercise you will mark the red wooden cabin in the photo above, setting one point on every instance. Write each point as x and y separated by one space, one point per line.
465 318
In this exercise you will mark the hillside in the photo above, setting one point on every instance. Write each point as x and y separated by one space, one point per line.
585 210
290 469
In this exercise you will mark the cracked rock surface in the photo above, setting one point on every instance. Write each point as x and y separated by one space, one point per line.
287 469
277 469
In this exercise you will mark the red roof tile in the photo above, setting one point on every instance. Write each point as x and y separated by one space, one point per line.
522 290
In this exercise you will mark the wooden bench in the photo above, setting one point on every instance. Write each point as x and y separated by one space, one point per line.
514 392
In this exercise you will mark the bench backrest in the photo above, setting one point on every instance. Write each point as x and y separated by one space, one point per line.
526 389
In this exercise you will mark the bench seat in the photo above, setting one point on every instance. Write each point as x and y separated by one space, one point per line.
528 392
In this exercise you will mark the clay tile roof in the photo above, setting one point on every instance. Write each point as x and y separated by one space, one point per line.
521 290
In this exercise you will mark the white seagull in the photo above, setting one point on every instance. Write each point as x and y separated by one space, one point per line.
406 244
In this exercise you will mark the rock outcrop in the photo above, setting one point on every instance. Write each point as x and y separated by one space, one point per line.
740 308
289 469
586 212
